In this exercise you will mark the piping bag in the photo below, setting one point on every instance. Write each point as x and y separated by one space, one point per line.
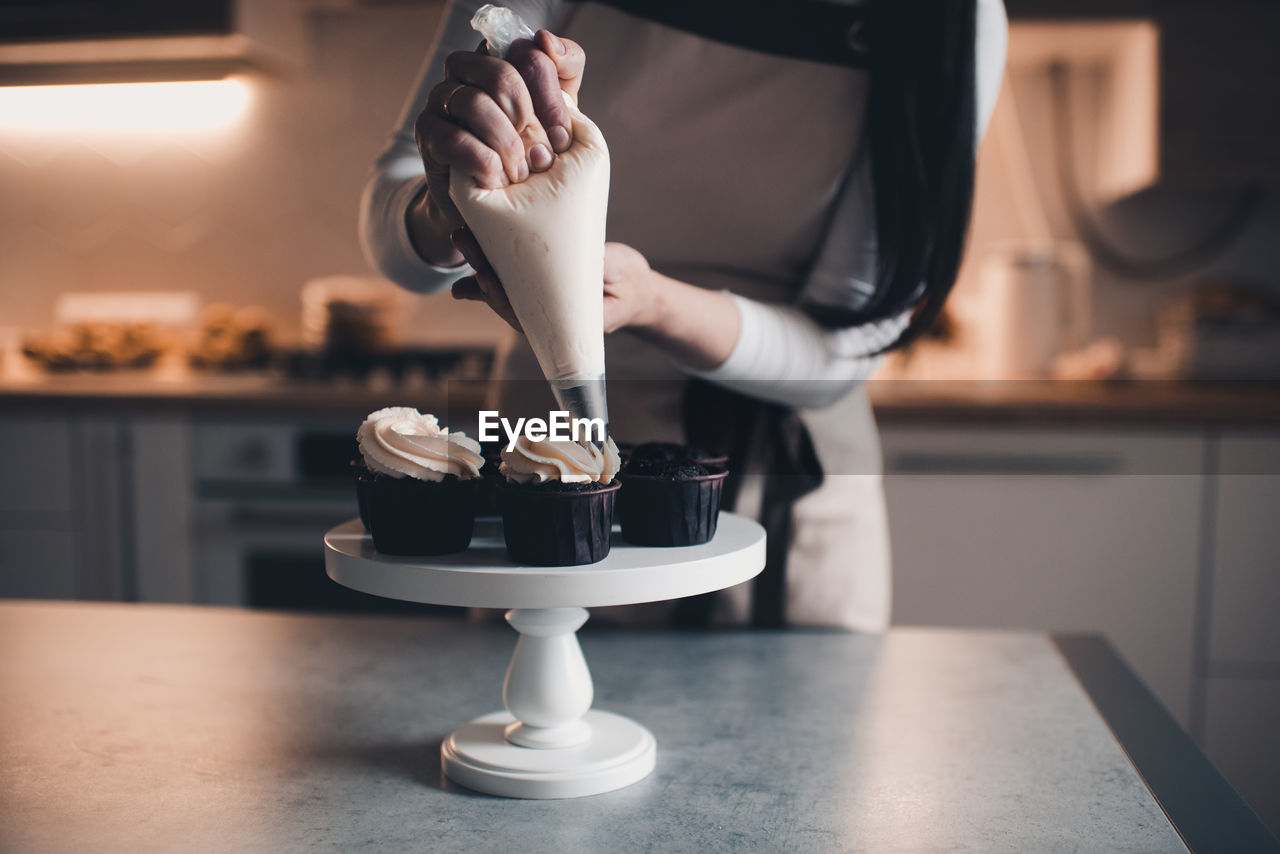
544 237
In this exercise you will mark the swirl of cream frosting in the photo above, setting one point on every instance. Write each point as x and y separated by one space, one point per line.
565 461
402 442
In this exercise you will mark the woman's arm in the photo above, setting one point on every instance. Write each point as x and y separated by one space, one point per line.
780 355
777 352
772 352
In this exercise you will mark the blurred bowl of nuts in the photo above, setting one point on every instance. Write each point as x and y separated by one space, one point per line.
231 338
97 346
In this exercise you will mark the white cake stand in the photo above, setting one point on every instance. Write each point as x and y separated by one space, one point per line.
549 743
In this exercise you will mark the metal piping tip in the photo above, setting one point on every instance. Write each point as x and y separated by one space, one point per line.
583 398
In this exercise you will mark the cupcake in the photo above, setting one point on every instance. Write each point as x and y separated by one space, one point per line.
418 483
557 501
670 496
669 451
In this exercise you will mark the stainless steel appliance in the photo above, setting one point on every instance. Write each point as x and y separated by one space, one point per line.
265 492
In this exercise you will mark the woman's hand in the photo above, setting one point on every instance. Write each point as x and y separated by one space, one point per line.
496 121
697 327
629 285
631 289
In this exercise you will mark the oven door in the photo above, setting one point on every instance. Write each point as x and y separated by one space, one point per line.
268 553
265 494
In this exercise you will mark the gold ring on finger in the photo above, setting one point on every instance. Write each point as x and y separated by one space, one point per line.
448 98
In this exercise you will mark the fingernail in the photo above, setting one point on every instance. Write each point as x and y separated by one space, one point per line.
557 44
522 171
559 138
539 158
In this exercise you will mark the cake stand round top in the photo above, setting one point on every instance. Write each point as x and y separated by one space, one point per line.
484 577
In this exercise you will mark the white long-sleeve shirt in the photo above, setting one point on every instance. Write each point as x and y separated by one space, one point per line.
731 169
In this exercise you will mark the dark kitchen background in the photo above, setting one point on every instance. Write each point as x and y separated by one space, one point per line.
189 334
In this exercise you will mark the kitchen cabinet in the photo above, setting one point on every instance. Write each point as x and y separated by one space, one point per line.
60 510
1245 617
243 451
160 472
74 20
256 495
175 507
1219 66
1078 531
36 460
39 565
73 41
1242 685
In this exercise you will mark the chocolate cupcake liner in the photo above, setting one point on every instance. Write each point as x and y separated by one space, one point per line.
407 516
490 480
659 511
487 497
547 526
714 464
363 478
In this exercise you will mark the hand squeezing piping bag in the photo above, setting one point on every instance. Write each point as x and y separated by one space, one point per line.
544 237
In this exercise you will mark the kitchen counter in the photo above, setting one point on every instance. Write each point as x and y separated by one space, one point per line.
1018 402
231 394
139 728
1055 402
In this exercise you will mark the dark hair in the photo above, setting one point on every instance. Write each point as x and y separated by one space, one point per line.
921 117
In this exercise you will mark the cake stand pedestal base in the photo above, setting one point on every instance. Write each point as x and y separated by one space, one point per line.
549 743
620 752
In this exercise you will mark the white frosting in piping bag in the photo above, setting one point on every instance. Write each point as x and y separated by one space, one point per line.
545 239
569 462
401 441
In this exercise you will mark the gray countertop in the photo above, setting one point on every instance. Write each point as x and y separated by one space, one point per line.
140 728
